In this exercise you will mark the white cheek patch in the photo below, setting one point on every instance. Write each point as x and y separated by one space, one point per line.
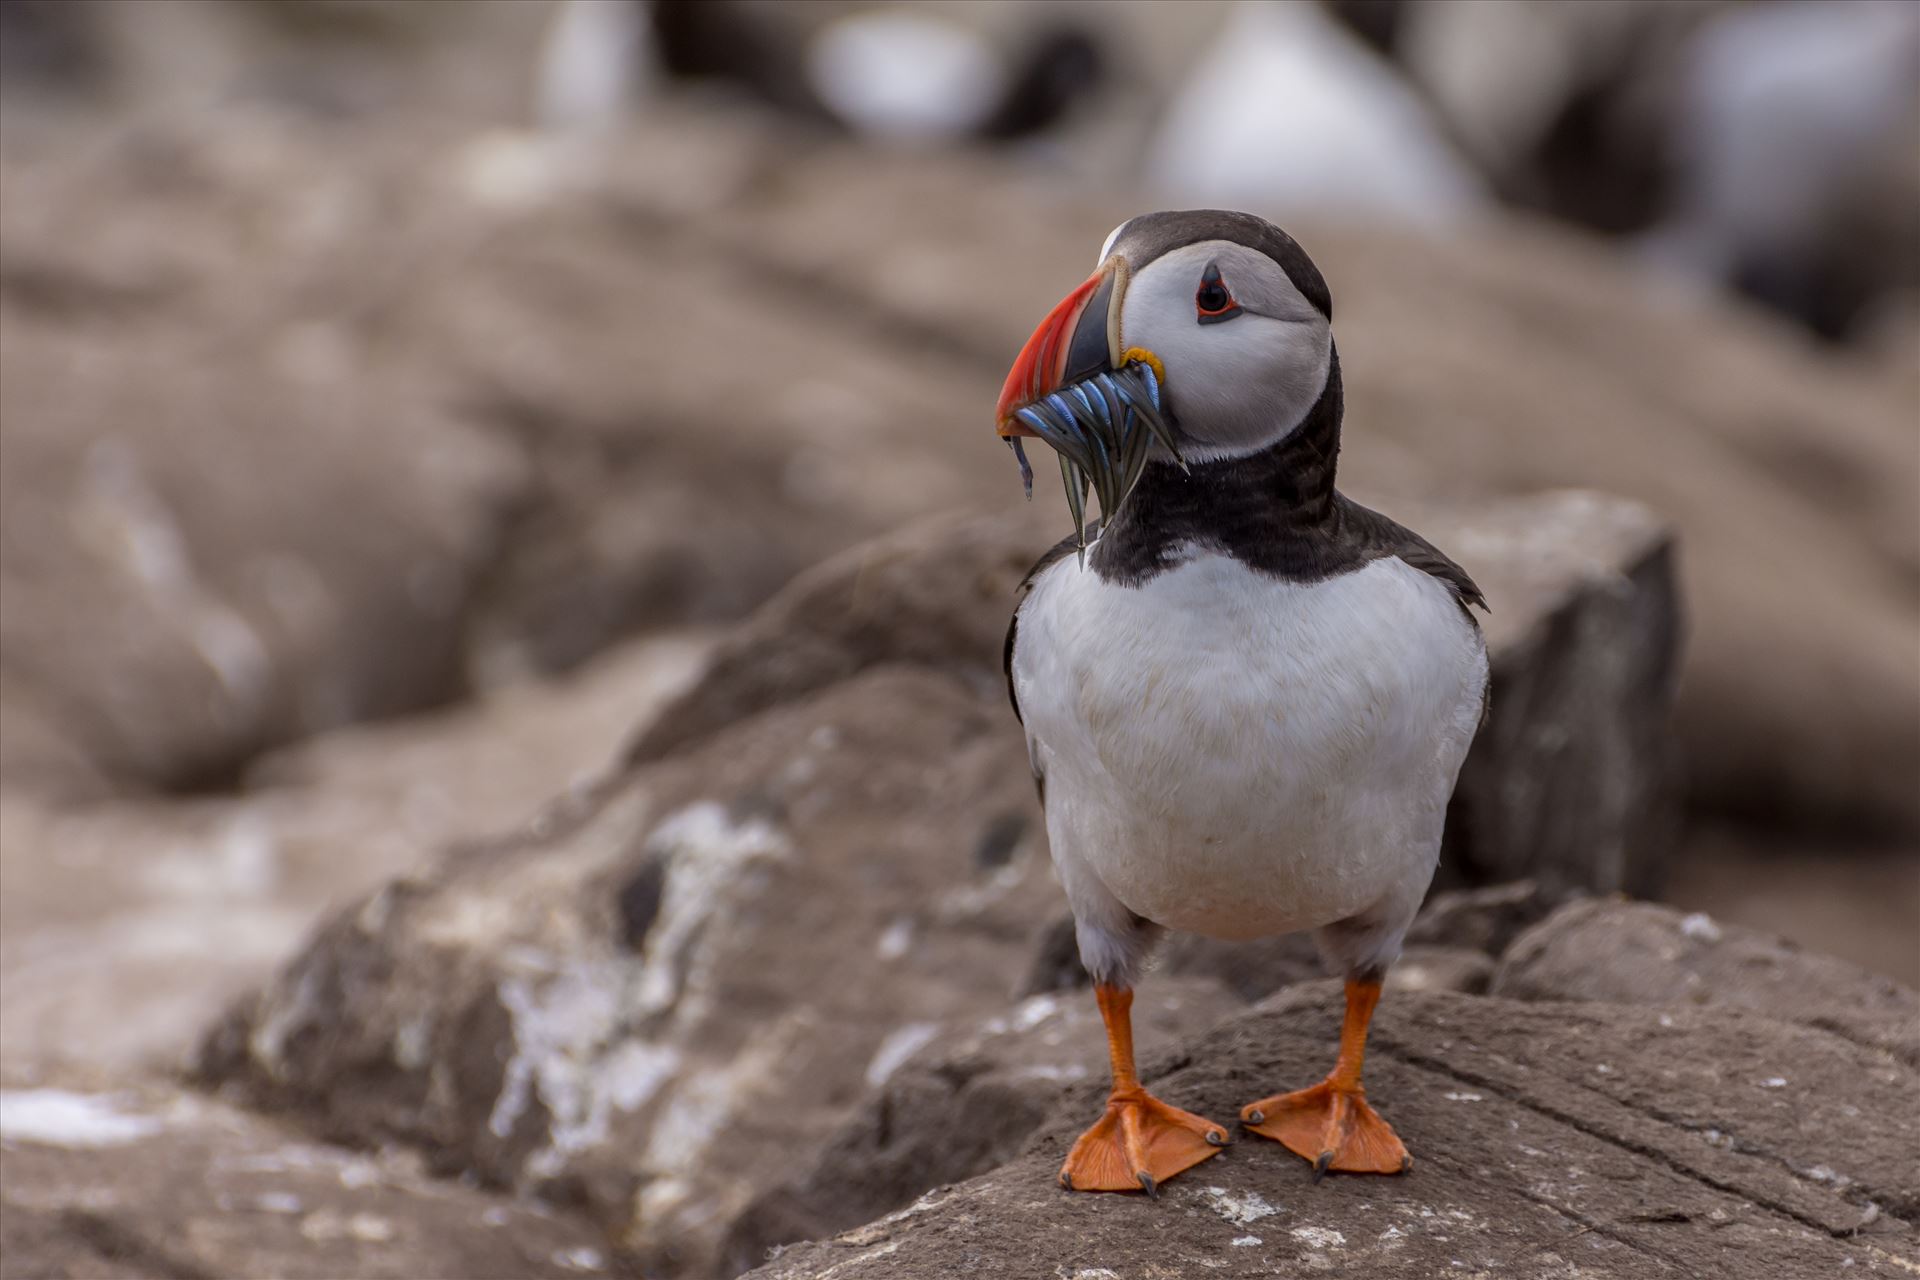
1239 386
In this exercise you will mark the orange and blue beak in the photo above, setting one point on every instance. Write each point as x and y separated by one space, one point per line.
1079 338
1097 404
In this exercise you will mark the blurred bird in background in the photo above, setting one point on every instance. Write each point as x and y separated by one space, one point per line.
1765 148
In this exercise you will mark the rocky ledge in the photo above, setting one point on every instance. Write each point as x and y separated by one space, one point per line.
1550 1139
797 960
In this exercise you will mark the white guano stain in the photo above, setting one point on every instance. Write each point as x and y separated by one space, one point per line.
707 1098
1238 1208
1701 927
901 1043
705 852
1318 1237
569 1018
121 517
561 1027
79 1121
895 940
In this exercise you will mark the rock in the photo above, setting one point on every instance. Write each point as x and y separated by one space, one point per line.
688 488
182 591
1571 779
1441 969
109 909
938 594
522 500
1644 953
1602 1139
1831 895
133 1179
661 1005
965 1103
1484 920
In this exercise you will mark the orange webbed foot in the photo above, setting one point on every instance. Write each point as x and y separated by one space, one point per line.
1138 1144
1330 1126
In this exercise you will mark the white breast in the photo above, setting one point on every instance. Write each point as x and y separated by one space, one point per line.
1236 755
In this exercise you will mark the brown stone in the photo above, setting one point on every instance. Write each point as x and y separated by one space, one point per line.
964 1104
1644 953
663 1005
1548 1139
124 1180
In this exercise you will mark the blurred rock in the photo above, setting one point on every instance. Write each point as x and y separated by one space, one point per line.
1424 968
1642 953
658 1006
125 928
129 1179
182 308
1571 781
937 595
964 1104
1614 1141
184 429
1848 900
1484 920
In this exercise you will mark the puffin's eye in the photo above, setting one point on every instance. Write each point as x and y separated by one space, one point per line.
1213 301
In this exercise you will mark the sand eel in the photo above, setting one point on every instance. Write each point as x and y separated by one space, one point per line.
1246 698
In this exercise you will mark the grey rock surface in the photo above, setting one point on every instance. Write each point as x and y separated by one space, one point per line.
1549 1139
1571 780
668 999
126 928
964 1104
124 1179
1645 953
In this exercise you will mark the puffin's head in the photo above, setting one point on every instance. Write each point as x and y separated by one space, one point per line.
1203 335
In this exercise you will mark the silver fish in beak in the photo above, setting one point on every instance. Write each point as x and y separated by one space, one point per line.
1099 407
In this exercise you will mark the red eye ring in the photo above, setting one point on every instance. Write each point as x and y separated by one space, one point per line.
1213 301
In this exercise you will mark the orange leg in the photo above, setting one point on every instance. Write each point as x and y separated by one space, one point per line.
1330 1123
1140 1141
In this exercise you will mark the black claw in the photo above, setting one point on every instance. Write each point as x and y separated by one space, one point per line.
1216 1137
1256 1117
1148 1185
1406 1163
1066 1179
1321 1165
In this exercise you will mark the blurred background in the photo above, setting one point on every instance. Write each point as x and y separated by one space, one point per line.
399 399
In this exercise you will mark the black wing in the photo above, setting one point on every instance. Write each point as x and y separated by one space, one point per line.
1380 536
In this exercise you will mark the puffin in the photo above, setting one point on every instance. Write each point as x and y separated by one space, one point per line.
1246 698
